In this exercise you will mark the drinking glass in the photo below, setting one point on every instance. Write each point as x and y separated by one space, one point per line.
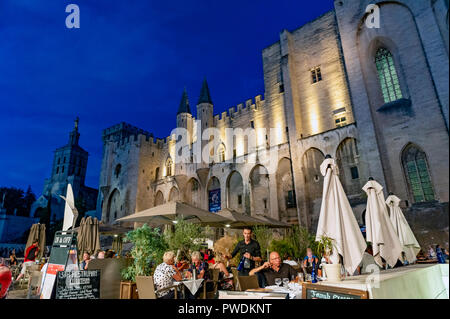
278 282
285 282
308 277
300 277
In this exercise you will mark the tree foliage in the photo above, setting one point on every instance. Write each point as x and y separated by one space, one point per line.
148 250
17 199
186 237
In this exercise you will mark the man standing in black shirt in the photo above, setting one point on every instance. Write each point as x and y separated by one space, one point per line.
248 249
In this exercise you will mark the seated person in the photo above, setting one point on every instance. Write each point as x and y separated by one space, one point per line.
86 258
288 260
165 275
201 271
225 277
182 263
367 261
13 259
101 255
209 256
308 261
274 268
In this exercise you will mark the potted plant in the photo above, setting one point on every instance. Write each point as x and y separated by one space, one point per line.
332 271
149 247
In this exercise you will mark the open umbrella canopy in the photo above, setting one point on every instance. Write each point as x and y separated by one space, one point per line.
272 223
167 213
106 229
37 231
379 229
337 220
406 236
239 220
88 236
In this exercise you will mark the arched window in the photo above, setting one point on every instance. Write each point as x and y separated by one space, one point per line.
415 166
221 153
117 170
169 165
387 75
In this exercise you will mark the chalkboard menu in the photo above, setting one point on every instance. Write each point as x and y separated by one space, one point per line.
83 284
319 291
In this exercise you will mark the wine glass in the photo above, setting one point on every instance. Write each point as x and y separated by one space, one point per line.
278 281
300 277
286 282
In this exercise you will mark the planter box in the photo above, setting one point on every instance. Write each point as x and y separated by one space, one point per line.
128 290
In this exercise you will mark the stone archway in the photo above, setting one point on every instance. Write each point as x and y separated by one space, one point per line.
114 206
259 182
235 192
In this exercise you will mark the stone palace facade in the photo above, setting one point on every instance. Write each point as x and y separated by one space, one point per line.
375 98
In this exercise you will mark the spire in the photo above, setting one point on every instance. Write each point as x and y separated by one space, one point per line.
77 120
74 135
184 104
205 97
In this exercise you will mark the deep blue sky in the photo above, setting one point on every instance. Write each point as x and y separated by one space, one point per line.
129 61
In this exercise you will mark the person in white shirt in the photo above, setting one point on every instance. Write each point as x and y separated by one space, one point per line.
165 275
289 261
367 261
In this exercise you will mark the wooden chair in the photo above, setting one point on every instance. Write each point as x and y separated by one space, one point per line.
235 278
214 275
247 282
146 288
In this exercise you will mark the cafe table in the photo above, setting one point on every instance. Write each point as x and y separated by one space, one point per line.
293 289
192 285
260 294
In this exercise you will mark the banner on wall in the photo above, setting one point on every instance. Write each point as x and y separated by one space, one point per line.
214 200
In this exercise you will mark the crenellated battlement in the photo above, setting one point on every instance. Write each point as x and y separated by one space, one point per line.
241 109
124 133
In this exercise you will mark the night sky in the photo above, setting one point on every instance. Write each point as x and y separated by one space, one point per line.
129 61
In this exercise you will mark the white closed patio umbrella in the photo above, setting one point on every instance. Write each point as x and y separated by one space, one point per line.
337 220
379 229
406 236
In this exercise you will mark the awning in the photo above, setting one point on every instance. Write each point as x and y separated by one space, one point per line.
169 212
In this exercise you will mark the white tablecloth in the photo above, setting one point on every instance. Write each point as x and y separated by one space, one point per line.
192 285
294 290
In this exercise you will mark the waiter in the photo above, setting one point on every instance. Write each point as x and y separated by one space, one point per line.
248 249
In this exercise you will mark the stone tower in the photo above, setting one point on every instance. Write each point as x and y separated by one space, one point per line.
184 115
205 113
69 166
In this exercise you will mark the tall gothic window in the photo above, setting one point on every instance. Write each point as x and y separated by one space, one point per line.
221 153
387 75
169 165
417 174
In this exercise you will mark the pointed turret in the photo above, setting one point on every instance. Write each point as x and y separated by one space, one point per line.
205 97
184 104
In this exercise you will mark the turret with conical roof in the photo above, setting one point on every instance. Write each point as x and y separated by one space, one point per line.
184 104
184 115
205 108
205 97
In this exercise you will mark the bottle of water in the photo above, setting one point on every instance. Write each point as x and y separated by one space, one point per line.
246 263
313 273
440 256
241 264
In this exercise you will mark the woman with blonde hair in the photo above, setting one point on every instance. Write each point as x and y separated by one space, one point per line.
225 281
